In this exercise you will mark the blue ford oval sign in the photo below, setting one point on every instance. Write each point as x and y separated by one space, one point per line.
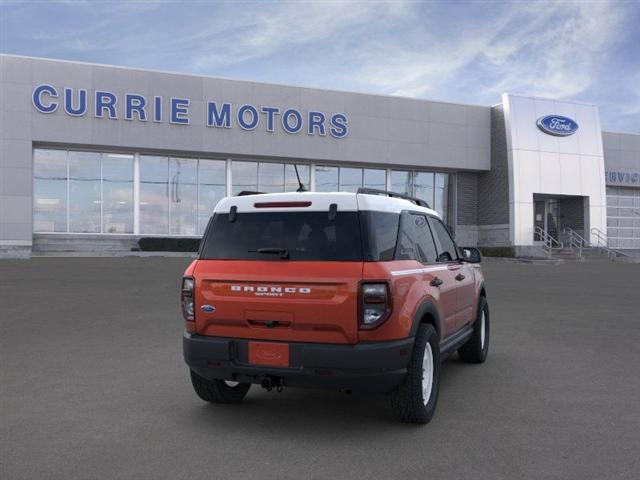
557 125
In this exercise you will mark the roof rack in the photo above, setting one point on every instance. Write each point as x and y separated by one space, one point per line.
244 193
375 191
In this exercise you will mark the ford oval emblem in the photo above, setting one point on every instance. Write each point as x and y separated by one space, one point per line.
557 125
208 308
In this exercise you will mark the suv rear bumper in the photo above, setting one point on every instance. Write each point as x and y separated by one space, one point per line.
365 367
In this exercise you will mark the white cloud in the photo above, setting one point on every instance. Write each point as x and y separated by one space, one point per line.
545 49
268 30
564 51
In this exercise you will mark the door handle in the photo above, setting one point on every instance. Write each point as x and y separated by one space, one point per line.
436 282
459 277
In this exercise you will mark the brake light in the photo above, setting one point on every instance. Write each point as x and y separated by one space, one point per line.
281 204
187 298
375 304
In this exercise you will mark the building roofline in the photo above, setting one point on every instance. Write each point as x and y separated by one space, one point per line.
620 132
199 75
549 99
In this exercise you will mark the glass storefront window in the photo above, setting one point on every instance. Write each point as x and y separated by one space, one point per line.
117 193
154 195
271 177
291 180
85 197
183 196
244 176
212 178
91 192
440 194
49 190
350 179
375 178
401 182
326 179
423 186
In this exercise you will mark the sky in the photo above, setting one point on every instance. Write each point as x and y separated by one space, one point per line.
456 51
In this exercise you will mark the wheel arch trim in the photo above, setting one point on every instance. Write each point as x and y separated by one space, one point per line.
426 308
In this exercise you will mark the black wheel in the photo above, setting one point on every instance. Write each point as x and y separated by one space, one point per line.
218 391
477 347
415 400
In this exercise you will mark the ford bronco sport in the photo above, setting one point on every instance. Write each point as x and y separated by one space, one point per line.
358 291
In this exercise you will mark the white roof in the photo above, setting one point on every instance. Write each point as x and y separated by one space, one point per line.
320 201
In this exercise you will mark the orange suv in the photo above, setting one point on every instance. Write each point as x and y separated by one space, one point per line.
358 291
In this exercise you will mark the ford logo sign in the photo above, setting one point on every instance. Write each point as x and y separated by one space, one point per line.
557 125
208 308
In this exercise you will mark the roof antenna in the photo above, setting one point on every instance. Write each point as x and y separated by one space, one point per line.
301 185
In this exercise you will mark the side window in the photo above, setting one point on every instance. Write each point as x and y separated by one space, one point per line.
380 234
415 241
448 251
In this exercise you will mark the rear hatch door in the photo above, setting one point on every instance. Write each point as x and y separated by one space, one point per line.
281 267
285 301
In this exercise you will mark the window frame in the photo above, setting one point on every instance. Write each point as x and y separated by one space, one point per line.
436 243
458 259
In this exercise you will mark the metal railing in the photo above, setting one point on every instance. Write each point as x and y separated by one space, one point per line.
576 241
549 243
603 245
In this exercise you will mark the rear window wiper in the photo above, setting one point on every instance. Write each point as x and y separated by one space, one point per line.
283 252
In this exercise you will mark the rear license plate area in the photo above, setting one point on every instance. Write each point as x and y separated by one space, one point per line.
269 354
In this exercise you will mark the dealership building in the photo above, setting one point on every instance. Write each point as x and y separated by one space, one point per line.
95 157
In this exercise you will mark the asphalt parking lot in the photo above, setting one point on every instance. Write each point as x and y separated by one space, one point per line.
93 386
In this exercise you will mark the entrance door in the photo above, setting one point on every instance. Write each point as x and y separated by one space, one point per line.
545 216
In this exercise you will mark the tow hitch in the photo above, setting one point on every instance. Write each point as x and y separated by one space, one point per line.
269 383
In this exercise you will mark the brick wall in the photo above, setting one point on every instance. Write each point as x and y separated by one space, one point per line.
467 190
493 186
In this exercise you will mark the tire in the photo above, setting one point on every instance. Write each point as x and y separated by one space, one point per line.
477 347
218 391
408 400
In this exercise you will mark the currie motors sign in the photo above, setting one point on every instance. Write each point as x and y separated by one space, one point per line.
131 106
557 125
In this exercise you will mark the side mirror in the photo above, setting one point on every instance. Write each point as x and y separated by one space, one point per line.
471 254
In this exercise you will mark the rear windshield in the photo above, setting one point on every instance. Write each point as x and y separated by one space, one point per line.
277 235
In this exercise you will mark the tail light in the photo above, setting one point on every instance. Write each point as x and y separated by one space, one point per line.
187 298
375 304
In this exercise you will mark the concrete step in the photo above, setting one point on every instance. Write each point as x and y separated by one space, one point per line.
588 254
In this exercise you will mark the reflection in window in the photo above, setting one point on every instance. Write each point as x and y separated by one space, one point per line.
117 193
326 179
350 179
212 175
183 193
401 182
85 204
291 180
271 177
244 176
154 195
178 196
423 186
49 190
440 201
375 179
